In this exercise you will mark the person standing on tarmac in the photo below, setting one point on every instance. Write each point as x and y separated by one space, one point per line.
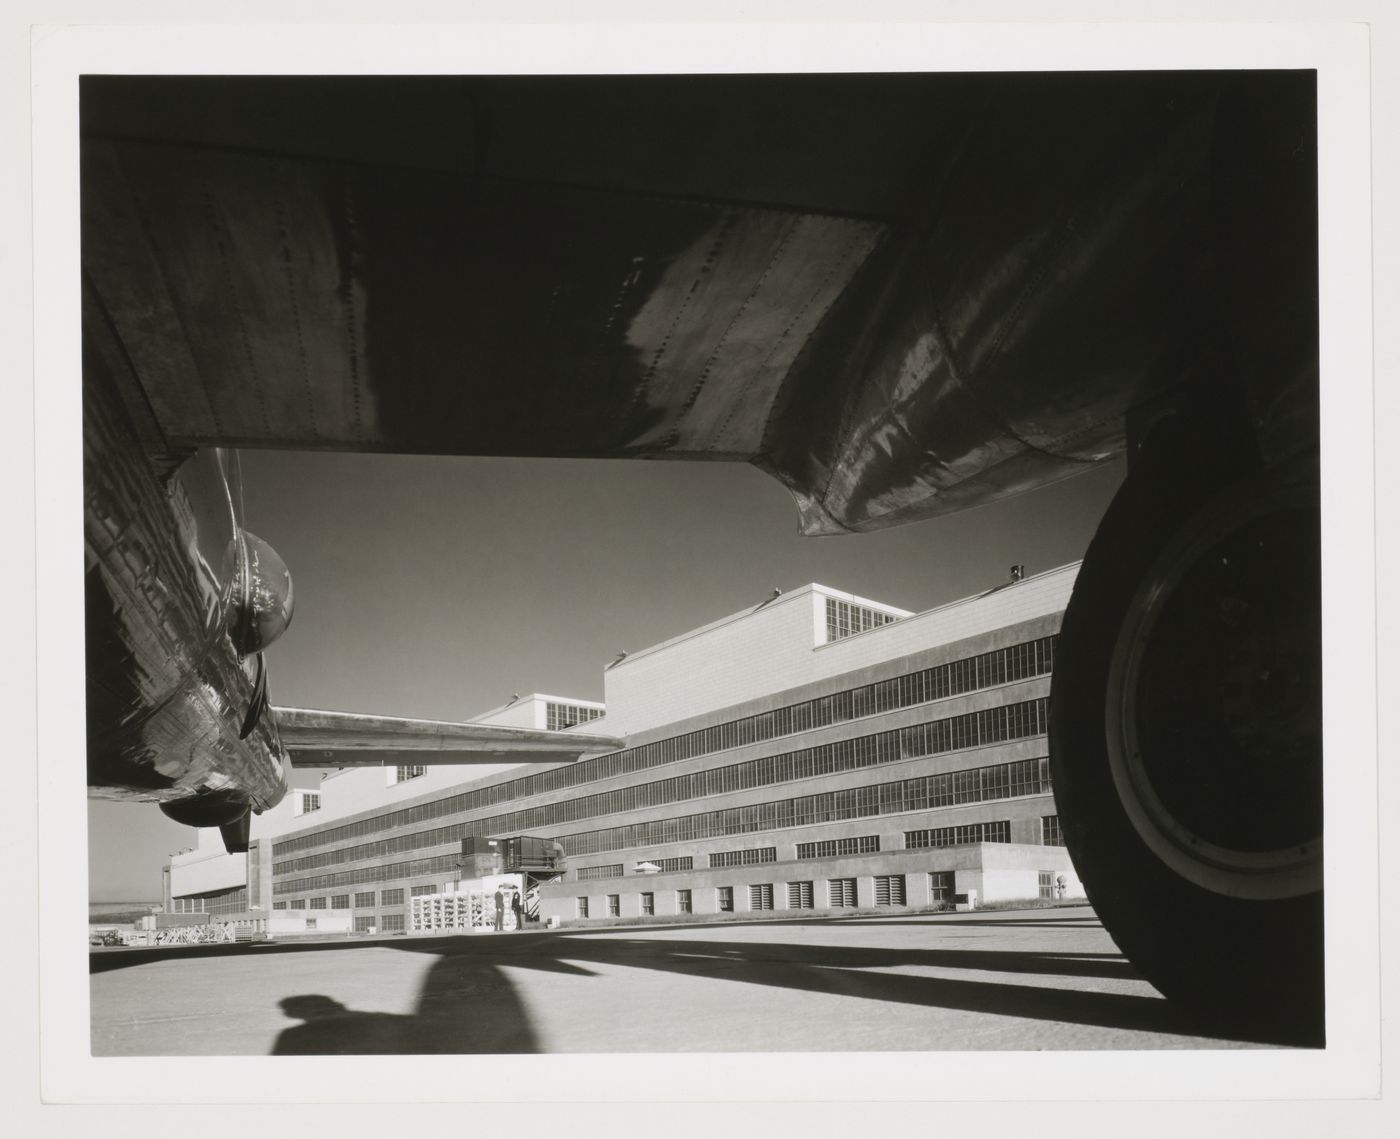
500 910
518 909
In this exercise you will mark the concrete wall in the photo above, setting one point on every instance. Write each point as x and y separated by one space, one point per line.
775 646
261 896
1038 596
527 712
997 871
170 921
207 867
532 711
289 923
725 662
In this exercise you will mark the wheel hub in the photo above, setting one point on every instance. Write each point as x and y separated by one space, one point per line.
1213 717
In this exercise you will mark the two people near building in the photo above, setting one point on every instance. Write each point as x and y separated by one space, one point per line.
517 906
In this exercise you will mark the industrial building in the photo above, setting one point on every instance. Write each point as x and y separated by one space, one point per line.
818 751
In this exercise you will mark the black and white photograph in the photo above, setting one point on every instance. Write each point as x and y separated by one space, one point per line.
715 561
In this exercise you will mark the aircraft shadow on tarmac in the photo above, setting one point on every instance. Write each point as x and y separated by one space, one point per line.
1062 923
467 1004
329 1028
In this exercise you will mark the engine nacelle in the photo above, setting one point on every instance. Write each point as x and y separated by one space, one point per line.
262 595
210 809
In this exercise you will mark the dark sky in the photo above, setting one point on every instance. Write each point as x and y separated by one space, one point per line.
436 587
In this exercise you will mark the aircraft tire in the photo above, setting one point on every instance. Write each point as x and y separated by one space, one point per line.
1185 744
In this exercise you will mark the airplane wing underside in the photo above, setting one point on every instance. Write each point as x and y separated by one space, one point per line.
955 293
316 738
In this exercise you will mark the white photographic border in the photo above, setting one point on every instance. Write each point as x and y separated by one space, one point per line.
1347 1068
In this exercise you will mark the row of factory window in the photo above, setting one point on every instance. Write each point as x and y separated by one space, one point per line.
999 781
414 868
587 873
889 890
974 729
997 831
557 717
615 870
843 619
754 856
385 923
837 847
840 893
364 900
1000 666
231 901
363 923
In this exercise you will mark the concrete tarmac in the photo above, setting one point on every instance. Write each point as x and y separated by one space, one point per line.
1024 979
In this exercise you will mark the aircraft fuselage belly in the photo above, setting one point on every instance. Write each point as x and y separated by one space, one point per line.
900 296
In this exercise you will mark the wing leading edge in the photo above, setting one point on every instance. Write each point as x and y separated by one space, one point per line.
317 738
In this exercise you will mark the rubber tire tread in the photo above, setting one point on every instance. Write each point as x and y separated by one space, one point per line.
1247 967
